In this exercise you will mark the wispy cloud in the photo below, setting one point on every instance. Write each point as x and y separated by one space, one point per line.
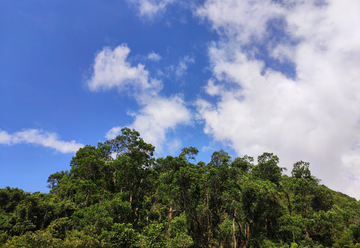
313 116
183 65
150 8
39 137
154 56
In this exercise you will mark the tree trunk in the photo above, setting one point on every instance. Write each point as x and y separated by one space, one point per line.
307 234
170 218
234 231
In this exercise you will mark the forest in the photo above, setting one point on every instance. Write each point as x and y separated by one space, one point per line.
116 194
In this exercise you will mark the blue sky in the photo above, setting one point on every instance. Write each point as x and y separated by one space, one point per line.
243 76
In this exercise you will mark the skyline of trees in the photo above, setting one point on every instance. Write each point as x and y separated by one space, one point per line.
118 195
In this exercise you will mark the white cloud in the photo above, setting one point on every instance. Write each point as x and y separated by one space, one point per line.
213 89
155 119
5 138
39 137
112 70
150 8
154 56
183 65
160 116
315 116
157 115
113 132
174 146
244 21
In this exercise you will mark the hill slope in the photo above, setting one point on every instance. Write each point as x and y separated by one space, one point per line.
118 195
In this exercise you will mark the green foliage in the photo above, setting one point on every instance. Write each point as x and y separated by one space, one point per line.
267 168
179 232
79 239
35 212
301 170
189 153
153 236
10 198
38 238
244 164
219 157
122 235
117 195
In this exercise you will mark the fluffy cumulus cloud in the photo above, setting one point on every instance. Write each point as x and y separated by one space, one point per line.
39 137
150 8
158 114
313 115
111 69
156 119
244 21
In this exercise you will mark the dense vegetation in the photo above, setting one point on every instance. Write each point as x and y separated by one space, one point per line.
118 195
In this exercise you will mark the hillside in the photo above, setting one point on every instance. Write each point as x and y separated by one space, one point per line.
117 195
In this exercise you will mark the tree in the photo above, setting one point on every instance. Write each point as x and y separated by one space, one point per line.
301 170
117 195
267 168
219 157
189 153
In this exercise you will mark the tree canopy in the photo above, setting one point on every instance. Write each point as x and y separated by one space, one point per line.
118 195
